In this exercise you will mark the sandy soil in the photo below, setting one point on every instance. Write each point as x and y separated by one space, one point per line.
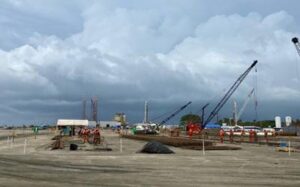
254 165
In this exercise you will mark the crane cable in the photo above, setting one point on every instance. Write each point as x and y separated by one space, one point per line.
255 95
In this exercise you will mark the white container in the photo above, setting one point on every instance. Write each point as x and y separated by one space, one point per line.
277 122
288 120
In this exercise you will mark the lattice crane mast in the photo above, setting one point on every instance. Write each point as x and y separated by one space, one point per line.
228 94
174 114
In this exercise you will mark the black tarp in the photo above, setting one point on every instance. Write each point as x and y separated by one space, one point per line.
73 147
155 147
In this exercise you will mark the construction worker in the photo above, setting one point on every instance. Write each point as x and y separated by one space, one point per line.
190 132
266 136
97 136
231 136
255 136
242 135
79 132
273 133
221 134
251 136
86 133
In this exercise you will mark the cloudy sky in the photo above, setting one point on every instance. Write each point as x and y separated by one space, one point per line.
55 53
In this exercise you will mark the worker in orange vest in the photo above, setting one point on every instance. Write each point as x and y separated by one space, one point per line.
190 132
96 133
251 136
273 133
242 135
231 136
82 133
266 136
190 127
255 136
86 133
221 134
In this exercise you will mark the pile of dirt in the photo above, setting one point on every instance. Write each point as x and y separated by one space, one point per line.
155 147
57 137
57 144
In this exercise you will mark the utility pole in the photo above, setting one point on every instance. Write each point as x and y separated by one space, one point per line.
146 113
84 109
94 103
235 112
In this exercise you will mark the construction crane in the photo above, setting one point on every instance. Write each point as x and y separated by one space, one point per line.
228 94
244 106
174 114
297 45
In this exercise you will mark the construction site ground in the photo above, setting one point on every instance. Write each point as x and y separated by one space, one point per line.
253 165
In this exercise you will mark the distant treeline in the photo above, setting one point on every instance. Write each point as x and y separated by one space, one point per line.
262 123
194 118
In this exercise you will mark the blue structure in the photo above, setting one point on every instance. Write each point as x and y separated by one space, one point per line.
212 126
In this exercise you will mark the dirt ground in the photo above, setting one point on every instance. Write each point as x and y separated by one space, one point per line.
254 165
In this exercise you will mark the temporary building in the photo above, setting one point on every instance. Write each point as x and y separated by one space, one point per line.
68 125
72 122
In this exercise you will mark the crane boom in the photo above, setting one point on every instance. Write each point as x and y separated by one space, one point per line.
244 105
297 45
228 94
175 113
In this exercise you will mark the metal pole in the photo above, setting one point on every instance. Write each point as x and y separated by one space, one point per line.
121 145
289 147
25 145
7 140
10 143
203 146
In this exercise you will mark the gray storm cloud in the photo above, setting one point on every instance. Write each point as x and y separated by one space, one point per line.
125 54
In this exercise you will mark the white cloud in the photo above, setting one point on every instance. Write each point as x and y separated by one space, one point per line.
131 54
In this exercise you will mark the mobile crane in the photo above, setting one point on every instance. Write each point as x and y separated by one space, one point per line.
196 128
228 94
174 114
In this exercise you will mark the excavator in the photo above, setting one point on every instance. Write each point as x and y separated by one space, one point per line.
194 128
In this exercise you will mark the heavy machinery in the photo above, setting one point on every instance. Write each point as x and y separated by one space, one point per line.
174 114
153 128
228 95
197 130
